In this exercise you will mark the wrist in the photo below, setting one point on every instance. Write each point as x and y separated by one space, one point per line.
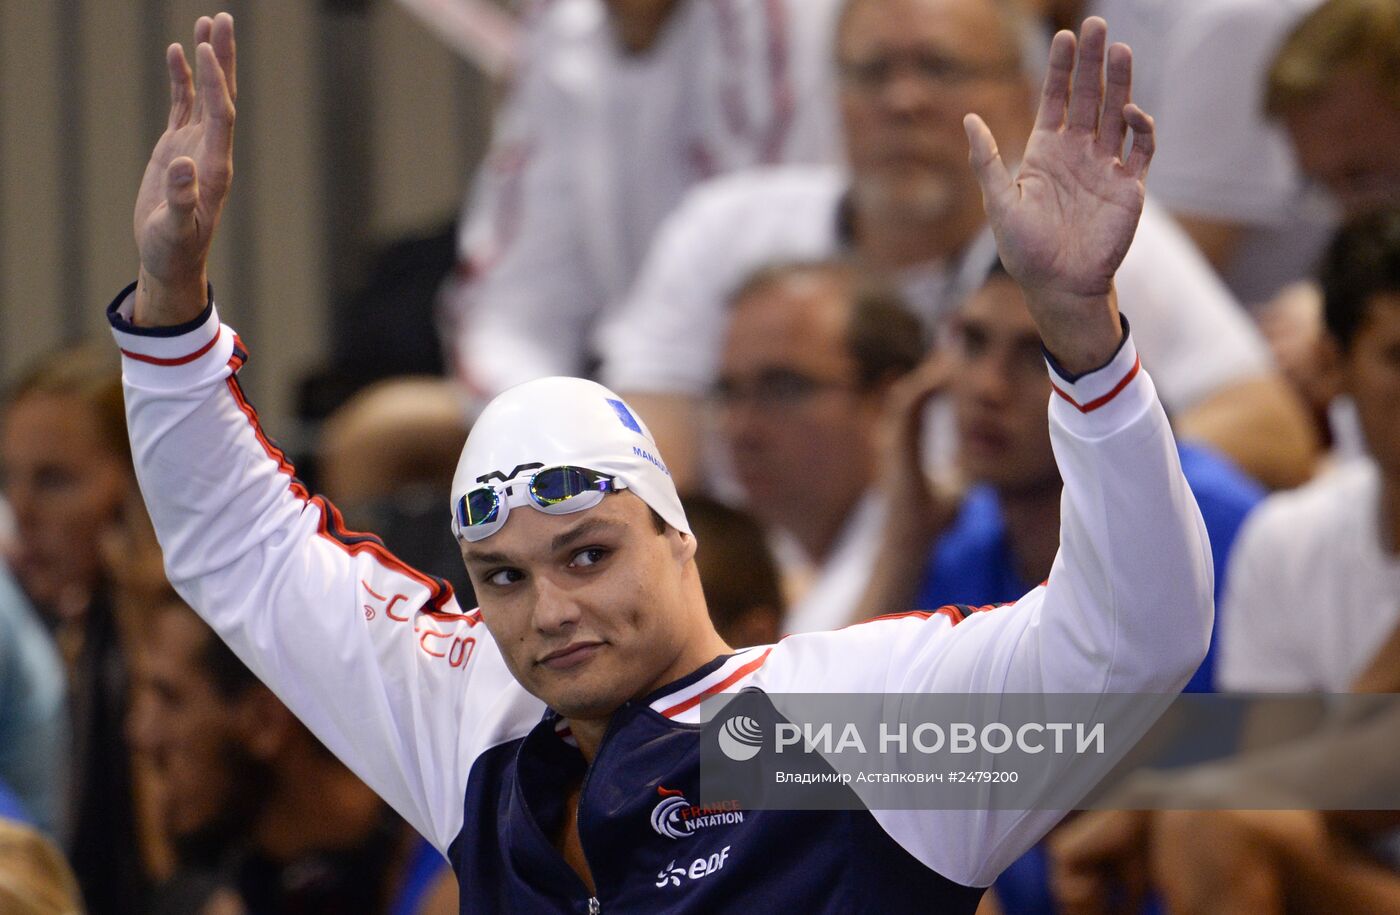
1081 333
161 303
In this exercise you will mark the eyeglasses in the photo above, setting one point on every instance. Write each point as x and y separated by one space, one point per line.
553 490
780 389
933 70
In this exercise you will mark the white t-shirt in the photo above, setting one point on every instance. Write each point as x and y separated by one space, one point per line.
595 146
831 590
1193 336
1200 68
1311 593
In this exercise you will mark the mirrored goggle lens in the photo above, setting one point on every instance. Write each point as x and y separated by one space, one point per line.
480 506
559 484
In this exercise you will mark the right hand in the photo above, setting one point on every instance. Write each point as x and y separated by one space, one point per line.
187 179
919 510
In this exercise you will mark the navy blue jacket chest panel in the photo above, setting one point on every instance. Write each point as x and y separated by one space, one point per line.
651 850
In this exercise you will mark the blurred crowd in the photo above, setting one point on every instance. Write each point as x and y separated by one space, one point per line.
754 219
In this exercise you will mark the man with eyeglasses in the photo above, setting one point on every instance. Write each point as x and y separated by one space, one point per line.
809 356
907 207
540 740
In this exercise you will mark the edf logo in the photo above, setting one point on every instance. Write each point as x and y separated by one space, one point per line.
700 867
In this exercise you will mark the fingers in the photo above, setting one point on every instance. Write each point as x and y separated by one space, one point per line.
1054 95
1113 127
1144 141
932 376
986 164
181 87
224 49
903 423
203 28
181 189
910 396
188 105
927 381
1086 99
214 97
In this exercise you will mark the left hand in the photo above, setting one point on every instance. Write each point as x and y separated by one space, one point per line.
1065 223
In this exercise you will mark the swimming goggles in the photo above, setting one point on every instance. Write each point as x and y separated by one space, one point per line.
553 490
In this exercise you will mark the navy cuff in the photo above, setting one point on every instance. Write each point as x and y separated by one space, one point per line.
1072 377
176 330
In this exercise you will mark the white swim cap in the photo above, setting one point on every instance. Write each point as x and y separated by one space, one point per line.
551 422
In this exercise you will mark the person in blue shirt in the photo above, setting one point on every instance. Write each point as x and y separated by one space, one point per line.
1003 539
34 732
987 544
990 541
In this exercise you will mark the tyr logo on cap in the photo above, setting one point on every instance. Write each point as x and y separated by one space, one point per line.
497 475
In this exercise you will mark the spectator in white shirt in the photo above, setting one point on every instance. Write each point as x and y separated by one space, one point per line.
1335 86
910 209
1335 543
618 108
1312 604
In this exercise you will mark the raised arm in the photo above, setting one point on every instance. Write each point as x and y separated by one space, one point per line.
1127 607
373 656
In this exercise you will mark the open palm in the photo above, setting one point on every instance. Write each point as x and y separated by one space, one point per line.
188 176
1065 222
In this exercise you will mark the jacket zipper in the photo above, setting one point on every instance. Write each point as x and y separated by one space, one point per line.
594 906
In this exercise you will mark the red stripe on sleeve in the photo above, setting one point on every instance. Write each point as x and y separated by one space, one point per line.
1100 401
182 360
332 525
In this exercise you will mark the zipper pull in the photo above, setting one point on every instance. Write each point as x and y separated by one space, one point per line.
594 906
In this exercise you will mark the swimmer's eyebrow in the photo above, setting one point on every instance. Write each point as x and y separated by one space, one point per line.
469 555
584 529
587 527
